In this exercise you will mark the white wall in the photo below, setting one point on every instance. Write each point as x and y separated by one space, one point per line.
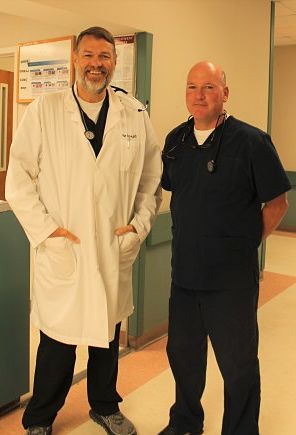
284 105
234 33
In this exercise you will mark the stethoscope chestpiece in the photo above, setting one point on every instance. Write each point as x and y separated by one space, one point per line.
211 166
89 134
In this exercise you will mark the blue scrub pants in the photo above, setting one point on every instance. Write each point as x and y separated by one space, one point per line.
53 378
229 319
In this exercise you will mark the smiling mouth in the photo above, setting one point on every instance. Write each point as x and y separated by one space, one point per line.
96 74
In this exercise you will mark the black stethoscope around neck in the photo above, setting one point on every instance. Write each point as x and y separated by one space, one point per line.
212 163
88 133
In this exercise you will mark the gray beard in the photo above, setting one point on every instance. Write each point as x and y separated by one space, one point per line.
93 88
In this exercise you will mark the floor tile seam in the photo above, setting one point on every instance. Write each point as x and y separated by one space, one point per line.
274 296
282 275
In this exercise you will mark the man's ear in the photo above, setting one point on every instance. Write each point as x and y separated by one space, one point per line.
74 57
226 93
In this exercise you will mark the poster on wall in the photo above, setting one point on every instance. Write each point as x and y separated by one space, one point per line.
44 67
124 75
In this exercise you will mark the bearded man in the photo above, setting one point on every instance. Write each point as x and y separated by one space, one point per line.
83 180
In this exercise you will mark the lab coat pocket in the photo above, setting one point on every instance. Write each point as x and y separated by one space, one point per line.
56 256
129 246
130 153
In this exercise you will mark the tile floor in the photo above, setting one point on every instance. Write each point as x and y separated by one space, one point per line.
146 383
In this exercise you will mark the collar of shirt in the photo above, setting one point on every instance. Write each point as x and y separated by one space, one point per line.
91 109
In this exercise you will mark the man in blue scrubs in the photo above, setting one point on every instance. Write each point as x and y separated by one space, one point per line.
220 171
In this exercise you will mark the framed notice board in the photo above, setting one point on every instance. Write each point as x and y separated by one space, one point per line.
43 67
46 66
124 74
134 65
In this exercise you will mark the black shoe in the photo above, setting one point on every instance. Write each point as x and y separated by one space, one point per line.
39 430
170 430
114 424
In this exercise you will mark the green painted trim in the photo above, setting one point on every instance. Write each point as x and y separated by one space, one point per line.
292 177
271 61
143 67
261 256
289 221
262 249
143 91
136 320
14 309
161 231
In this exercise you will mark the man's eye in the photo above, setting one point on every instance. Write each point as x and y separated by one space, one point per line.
191 87
209 87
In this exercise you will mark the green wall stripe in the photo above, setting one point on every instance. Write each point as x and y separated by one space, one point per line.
14 309
292 177
161 231
143 67
143 90
271 58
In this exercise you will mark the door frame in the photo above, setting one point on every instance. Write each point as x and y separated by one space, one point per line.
12 52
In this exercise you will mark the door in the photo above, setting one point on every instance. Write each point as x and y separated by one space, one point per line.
6 109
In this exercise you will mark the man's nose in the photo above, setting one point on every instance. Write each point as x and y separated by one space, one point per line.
97 61
199 94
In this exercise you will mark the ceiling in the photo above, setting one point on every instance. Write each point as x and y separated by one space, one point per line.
66 15
285 22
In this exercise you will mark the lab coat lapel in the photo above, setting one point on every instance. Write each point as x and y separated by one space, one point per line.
114 112
71 107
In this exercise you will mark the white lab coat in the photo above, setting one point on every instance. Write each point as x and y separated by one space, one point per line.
81 291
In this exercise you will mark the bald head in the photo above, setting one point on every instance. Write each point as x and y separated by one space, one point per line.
206 93
210 69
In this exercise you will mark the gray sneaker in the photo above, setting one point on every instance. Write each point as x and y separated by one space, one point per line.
114 424
39 430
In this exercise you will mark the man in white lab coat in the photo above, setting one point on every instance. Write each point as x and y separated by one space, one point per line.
83 180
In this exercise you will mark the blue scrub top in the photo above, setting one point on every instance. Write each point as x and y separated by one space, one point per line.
217 221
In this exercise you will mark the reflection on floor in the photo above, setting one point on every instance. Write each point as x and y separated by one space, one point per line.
146 383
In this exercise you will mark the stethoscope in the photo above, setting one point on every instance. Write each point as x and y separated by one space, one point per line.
89 134
142 109
212 163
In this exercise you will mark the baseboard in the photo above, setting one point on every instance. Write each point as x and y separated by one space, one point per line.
149 336
9 406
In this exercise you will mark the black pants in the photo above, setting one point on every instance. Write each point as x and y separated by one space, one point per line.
53 377
229 319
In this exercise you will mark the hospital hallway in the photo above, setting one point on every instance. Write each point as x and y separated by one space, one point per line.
145 381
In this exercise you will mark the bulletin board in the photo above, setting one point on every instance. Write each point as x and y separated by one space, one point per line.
124 74
44 67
